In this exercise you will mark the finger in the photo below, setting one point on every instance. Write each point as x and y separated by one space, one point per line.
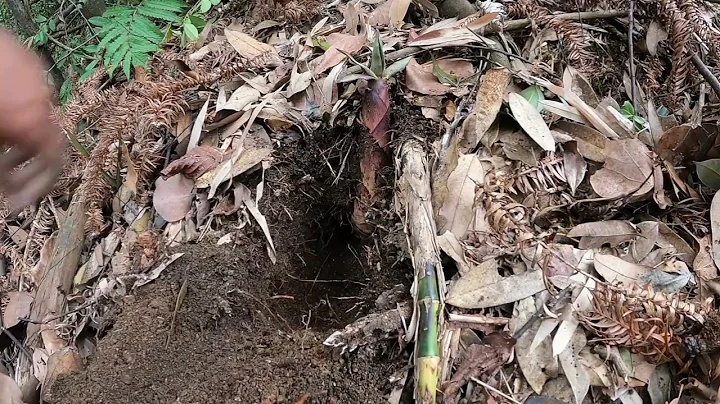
20 178
33 190
13 158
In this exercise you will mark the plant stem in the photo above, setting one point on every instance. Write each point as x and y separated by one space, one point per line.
427 361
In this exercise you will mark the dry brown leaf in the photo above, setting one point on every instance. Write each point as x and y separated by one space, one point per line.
572 367
457 209
452 247
10 393
250 48
173 197
518 146
564 110
195 163
241 98
715 228
574 165
298 81
339 42
584 109
578 84
652 138
536 363
198 126
595 234
683 145
453 33
18 307
420 78
243 193
132 176
531 121
590 143
703 264
627 171
381 14
615 269
488 101
398 9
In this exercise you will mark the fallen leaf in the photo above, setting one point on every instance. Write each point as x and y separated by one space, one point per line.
18 307
472 292
584 109
627 171
715 228
340 42
683 145
420 78
243 193
655 34
10 393
457 208
298 81
241 98
595 234
565 332
518 146
452 247
538 364
578 84
173 197
572 368
703 264
590 143
660 384
609 112
488 101
398 9
575 166
198 126
531 121
226 239
250 48
381 14
565 111
144 279
615 269
663 280
132 176
708 173
453 33
375 112
195 163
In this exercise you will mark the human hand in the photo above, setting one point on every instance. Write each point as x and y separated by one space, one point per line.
10 393
26 127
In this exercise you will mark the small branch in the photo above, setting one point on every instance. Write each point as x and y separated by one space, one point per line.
632 53
59 44
706 73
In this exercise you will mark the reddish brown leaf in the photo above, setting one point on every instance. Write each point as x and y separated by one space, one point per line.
420 78
340 42
682 145
376 111
195 163
173 197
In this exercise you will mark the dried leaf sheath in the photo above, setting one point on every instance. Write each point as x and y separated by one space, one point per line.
648 322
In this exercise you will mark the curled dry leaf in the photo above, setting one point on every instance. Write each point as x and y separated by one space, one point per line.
195 162
132 176
615 269
339 42
575 166
420 78
627 171
452 32
488 101
457 209
173 197
250 48
595 234
18 307
531 121
578 84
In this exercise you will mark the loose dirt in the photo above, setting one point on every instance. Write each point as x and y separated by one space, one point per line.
248 330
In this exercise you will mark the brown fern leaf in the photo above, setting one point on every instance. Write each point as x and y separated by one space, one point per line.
650 72
40 230
681 40
649 323
700 25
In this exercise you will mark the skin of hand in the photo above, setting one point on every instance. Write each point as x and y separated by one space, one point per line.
9 391
26 127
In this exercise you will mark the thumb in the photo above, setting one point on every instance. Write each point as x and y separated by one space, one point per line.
10 393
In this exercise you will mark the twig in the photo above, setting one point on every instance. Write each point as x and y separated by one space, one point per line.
706 73
494 390
180 297
58 43
477 319
19 344
632 53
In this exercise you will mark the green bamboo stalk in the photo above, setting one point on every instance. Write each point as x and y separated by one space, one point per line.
427 350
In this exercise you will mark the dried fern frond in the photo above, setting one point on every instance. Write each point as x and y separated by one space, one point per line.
681 41
40 230
649 323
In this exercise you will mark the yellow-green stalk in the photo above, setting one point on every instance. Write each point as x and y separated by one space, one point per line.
427 351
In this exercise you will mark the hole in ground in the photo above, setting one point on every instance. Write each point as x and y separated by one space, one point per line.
329 277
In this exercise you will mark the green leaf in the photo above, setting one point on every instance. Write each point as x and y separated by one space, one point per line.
117 58
534 95
190 31
321 43
40 38
160 14
215 2
377 60
197 21
442 76
66 92
89 70
170 5
396 67
143 27
140 59
708 172
114 33
627 109
114 46
205 6
99 21
662 111
126 64
118 11
139 44
40 18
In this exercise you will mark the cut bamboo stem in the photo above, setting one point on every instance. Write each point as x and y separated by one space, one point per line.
415 207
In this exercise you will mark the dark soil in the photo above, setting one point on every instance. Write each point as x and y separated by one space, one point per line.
248 330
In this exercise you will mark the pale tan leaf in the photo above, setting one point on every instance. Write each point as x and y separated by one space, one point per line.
703 264
173 197
470 292
10 393
627 171
452 247
564 110
144 279
457 208
584 109
488 101
198 126
574 165
547 326
241 98
246 160
226 239
590 143
595 234
715 228
578 84
615 269
574 370
398 9
243 193
609 112
298 82
453 33
420 78
132 176
655 34
564 334
340 42
36 272
17 308
531 121
183 127
536 364
656 130
250 48
381 14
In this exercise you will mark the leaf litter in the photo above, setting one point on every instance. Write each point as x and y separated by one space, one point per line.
549 205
